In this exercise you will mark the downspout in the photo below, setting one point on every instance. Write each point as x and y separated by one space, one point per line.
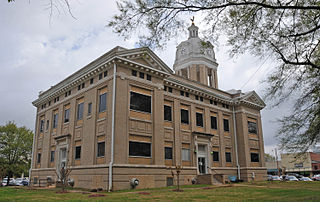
112 126
33 144
236 141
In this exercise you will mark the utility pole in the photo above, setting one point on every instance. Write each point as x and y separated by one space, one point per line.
276 154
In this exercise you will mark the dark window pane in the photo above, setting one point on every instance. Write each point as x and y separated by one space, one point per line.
101 149
167 113
89 108
170 90
52 156
80 111
55 120
201 99
39 158
103 102
168 153
79 87
187 94
184 116
41 125
140 102
228 157
66 115
196 97
214 122
165 88
140 149
83 85
181 93
100 76
47 127
148 77
211 101
254 157
78 152
91 81
215 155
141 75
105 73
226 125
215 103
199 119
66 94
252 127
134 73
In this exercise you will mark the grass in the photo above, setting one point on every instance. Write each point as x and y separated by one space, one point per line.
259 191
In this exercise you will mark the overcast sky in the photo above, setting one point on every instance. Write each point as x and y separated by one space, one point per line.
37 52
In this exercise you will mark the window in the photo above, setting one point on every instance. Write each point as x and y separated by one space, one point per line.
140 102
49 103
215 155
80 111
89 108
52 156
100 76
55 120
181 93
79 87
82 85
105 73
252 127
196 97
134 73
165 88
226 125
140 149
215 103
91 81
78 152
69 92
66 115
168 153
201 99
39 158
101 149
66 94
167 113
184 116
185 154
211 101
148 77
141 75
41 125
187 94
47 127
102 102
199 119
254 157
214 123
170 90
228 157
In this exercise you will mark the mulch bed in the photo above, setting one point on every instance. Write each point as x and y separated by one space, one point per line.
96 195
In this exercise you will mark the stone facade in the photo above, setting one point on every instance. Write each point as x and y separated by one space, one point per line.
185 120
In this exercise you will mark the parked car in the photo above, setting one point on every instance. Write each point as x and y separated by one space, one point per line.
25 182
269 177
275 178
306 179
12 182
18 182
4 181
291 178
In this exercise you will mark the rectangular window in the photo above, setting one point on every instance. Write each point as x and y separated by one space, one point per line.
66 115
140 102
66 94
140 149
39 158
254 157
78 152
55 120
102 102
80 111
105 73
215 155
47 127
101 149
82 85
89 108
196 97
228 157
148 77
168 153
201 99
187 94
252 127
214 124
167 113
52 156
185 154
215 103
79 87
184 116
226 125
134 73
91 81
69 92
141 75
41 125
199 119
100 76
170 89
181 93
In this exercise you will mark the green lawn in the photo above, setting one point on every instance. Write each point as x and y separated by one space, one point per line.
259 191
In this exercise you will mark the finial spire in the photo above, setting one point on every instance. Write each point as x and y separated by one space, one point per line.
192 20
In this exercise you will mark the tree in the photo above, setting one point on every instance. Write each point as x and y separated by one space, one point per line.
269 157
15 149
286 31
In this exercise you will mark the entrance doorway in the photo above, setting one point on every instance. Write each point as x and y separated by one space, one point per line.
202 159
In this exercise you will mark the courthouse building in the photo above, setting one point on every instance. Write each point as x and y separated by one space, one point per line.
127 115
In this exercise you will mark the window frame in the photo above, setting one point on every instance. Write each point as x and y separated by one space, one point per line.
102 108
227 159
89 108
55 120
254 157
181 115
216 122
226 125
215 156
66 113
188 154
165 153
80 110
38 158
99 149
138 155
52 155
250 125
134 107
164 113
199 119
77 154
